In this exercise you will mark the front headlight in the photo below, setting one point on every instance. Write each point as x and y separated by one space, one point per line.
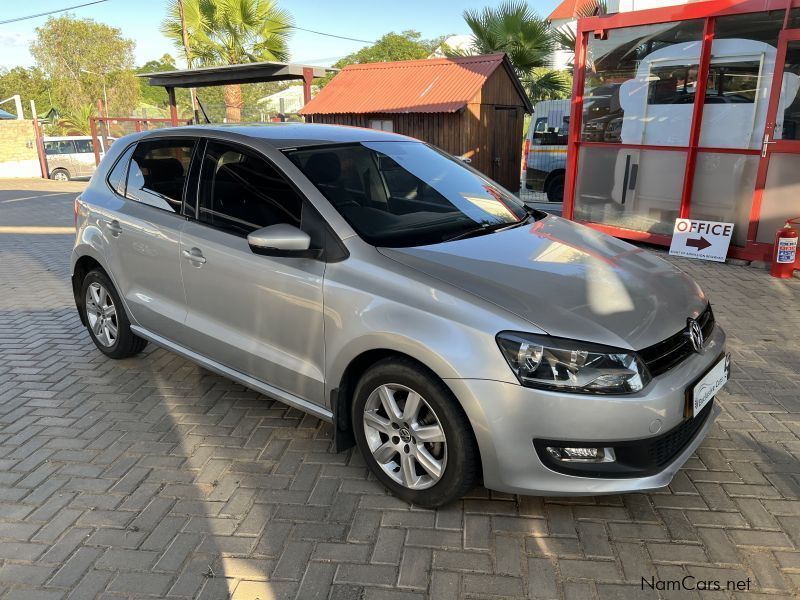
565 365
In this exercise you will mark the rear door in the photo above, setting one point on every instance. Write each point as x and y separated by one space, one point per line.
259 315
145 234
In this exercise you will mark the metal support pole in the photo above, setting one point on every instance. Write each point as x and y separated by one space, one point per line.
37 132
173 108
95 143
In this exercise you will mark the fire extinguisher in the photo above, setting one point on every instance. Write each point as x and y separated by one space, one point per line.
785 250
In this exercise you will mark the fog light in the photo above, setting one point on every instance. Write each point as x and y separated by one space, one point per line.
591 455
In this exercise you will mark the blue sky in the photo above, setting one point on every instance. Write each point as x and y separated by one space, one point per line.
363 19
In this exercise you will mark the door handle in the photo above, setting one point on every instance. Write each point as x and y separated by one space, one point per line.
194 255
765 145
114 227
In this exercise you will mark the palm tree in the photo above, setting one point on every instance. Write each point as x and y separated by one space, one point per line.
565 37
230 32
526 38
74 122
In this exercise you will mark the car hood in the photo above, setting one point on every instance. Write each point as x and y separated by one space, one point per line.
568 280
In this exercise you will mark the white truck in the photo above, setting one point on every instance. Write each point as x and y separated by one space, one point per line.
545 155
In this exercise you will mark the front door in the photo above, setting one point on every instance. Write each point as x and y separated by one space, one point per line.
777 195
259 315
505 152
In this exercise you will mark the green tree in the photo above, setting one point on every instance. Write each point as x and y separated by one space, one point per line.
157 95
30 84
528 41
79 56
230 32
407 45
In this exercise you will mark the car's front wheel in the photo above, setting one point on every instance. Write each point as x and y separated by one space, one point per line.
414 436
106 319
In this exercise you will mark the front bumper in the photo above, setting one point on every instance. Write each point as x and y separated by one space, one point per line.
507 418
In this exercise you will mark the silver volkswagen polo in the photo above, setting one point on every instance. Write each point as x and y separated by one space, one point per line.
448 331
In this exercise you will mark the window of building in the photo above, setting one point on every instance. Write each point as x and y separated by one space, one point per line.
241 192
158 172
637 78
382 125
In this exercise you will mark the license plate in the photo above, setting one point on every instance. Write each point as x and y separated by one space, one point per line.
712 382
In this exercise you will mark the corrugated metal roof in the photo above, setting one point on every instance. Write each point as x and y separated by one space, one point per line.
410 86
566 10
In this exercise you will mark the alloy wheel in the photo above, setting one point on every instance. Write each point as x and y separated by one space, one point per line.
101 314
405 436
60 176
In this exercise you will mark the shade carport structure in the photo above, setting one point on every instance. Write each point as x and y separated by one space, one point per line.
258 72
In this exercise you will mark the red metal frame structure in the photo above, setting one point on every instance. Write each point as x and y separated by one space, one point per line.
598 26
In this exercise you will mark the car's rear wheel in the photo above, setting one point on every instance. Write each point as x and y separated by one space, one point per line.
413 435
106 320
60 175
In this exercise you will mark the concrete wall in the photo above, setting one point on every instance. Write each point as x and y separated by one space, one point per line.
18 156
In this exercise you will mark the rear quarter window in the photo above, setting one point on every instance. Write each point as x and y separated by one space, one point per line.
119 173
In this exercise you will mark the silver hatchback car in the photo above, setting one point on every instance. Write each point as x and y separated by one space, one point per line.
379 284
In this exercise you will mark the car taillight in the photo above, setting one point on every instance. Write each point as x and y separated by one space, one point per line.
76 207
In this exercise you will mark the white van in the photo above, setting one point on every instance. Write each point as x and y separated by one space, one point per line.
70 157
546 149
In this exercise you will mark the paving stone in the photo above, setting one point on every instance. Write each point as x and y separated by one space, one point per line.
151 476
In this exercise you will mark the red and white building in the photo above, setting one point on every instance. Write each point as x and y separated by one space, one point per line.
690 110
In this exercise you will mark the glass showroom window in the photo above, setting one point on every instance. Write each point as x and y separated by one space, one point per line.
639 84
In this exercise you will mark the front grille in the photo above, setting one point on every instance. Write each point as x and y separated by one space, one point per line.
635 458
661 357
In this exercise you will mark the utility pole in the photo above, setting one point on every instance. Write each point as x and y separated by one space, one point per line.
185 35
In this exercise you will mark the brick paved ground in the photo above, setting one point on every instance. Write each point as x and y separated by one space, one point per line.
151 477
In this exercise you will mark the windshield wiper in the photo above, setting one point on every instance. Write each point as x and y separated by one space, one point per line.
483 230
487 228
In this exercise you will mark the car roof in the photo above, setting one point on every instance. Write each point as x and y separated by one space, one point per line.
289 135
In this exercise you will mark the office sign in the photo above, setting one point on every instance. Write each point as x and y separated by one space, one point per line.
707 240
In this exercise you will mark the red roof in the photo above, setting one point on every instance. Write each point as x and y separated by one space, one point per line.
409 86
566 10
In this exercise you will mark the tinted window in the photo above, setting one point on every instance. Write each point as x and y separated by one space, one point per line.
59 147
117 176
158 173
84 146
406 193
241 192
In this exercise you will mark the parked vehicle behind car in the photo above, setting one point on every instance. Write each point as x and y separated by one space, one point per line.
70 157
451 333
546 149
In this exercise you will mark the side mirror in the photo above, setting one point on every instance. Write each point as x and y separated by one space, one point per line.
281 240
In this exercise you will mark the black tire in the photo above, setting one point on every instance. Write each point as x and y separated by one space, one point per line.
462 464
60 172
126 344
555 189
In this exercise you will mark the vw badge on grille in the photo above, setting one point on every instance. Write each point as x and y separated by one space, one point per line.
695 334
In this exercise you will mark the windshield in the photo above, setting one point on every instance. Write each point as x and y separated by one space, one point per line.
398 194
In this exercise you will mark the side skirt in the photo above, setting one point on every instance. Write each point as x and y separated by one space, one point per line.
246 380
